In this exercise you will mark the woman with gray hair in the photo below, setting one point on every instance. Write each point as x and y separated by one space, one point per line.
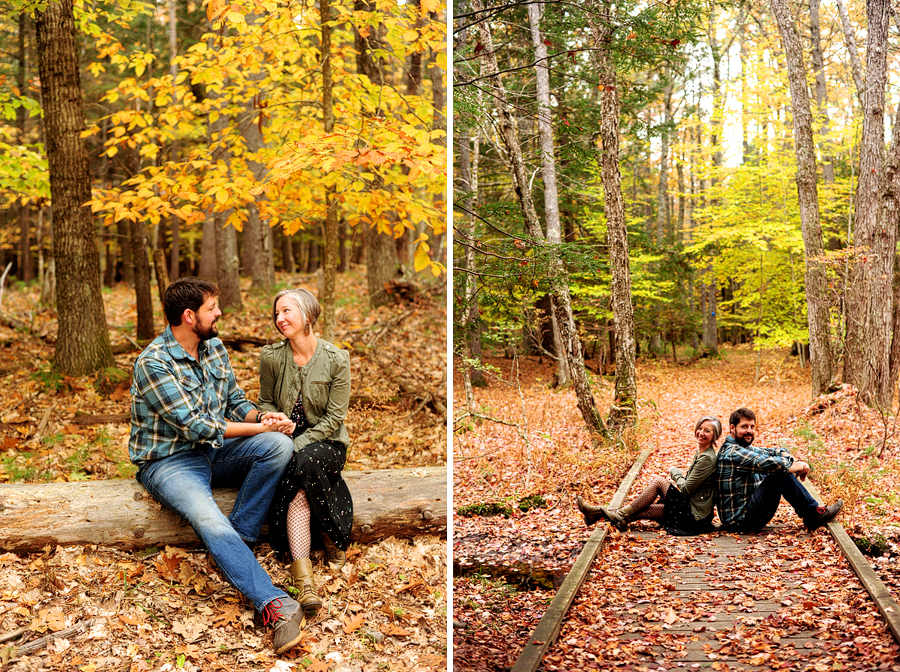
684 504
307 380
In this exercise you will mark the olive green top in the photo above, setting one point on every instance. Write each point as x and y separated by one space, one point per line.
699 483
324 381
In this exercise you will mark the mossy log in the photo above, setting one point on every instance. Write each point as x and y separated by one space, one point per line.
121 514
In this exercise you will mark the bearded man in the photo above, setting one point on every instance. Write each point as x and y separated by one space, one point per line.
751 481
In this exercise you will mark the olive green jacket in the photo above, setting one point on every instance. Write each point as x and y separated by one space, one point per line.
699 484
324 380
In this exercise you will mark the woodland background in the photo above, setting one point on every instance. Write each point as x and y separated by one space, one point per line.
663 210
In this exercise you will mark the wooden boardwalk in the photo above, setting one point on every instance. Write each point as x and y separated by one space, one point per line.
781 599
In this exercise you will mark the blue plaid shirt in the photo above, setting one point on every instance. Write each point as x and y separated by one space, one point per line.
739 471
177 402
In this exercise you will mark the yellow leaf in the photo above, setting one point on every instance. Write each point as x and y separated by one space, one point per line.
139 68
429 6
215 8
112 151
410 36
221 197
421 259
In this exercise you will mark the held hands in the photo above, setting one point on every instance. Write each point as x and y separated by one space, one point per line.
278 422
800 469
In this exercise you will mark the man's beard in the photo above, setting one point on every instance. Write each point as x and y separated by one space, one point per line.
205 334
744 440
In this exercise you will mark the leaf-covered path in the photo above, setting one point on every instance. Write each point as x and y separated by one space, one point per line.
782 599
815 592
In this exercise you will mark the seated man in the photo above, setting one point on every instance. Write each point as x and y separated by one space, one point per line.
751 481
192 429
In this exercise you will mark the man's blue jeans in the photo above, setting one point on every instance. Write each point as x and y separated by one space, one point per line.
184 482
765 500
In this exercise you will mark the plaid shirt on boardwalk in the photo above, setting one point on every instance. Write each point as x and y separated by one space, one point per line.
739 471
178 402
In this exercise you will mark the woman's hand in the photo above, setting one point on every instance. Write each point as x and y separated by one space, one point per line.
278 422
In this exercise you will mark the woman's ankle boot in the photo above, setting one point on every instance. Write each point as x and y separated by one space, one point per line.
307 596
591 513
334 557
619 517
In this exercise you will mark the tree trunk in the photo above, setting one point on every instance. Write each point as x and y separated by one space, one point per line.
140 256
119 513
83 343
287 253
853 52
228 275
468 180
624 409
822 358
257 253
870 296
559 283
331 213
381 255
207 268
818 64
548 168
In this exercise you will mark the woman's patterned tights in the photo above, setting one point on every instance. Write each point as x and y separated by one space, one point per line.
643 504
298 518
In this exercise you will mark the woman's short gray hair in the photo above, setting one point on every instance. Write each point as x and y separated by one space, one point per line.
714 421
306 303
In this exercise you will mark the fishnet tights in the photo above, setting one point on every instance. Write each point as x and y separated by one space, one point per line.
298 517
643 504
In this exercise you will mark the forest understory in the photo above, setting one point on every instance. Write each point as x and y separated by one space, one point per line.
516 529
166 609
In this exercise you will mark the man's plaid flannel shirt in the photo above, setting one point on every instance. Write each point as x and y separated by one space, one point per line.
739 471
177 402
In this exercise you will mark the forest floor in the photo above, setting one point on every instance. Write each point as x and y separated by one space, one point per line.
386 610
507 566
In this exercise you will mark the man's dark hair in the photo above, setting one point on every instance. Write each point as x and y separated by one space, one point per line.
741 413
187 293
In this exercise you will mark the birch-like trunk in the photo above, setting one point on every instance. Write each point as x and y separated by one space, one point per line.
822 358
624 409
548 168
558 278
855 64
870 294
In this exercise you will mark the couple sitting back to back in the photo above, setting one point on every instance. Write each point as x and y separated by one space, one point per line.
746 483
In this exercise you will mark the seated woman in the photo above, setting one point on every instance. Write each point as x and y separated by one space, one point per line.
684 505
307 379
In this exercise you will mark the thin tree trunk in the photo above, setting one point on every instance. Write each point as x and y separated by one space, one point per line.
559 285
381 255
822 358
207 268
623 411
468 179
869 304
331 214
855 64
818 65
548 169
83 343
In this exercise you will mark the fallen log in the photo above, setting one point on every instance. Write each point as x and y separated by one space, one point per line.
119 513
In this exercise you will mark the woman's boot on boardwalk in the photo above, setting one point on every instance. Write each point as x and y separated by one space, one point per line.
618 517
591 513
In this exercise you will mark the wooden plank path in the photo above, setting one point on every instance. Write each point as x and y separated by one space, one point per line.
781 599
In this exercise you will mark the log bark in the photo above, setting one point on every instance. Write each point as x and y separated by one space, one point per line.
119 513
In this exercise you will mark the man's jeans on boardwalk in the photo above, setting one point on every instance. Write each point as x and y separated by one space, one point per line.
184 482
765 499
